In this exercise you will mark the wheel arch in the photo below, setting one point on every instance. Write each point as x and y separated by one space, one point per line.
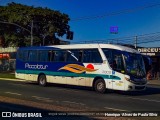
96 78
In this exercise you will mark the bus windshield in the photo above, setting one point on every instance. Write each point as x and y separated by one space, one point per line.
134 64
126 62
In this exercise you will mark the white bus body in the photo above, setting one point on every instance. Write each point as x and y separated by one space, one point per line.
101 66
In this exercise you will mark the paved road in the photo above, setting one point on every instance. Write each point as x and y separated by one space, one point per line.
83 98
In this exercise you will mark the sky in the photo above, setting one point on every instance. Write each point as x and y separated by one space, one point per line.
100 13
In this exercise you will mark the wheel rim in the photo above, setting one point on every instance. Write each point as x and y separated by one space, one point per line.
100 86
42 81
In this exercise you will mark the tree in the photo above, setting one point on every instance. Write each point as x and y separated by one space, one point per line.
2 41
47 24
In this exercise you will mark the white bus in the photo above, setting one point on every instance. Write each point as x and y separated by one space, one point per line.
101 66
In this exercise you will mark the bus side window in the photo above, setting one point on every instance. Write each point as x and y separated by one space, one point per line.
22 55
63 56
95 56
49 55
53 53
19 55
72 56
86 56
117 61
80 56
56 56
60 56
32 55
92 56
43 55
25 55
108 54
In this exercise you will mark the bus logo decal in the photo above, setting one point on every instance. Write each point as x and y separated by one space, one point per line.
27 65
78 68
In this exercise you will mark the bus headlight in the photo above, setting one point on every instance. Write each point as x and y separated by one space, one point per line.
127 77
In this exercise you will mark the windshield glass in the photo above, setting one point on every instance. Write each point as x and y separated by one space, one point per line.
134 64
125 62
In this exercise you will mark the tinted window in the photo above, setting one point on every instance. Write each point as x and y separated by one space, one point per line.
59 56
114 58
118 60
91 56
44 55
108 54
72 55
25 55
32 55
22 55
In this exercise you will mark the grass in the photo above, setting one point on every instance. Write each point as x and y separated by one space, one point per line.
7 75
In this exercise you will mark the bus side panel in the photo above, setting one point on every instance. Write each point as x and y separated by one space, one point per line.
72 80
32 77
108 83
56 79
19 75
89 82
118 81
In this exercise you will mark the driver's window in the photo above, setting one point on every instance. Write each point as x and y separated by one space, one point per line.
117 61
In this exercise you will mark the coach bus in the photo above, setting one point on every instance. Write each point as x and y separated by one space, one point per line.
101 66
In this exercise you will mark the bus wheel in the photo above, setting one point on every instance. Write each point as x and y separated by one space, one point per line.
42 80
100 86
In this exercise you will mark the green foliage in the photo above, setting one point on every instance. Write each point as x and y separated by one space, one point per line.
47 24
7 75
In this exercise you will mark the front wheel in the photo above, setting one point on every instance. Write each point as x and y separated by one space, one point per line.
42 80
100 86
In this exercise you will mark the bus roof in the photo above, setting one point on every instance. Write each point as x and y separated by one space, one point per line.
83 46
37 48
87 46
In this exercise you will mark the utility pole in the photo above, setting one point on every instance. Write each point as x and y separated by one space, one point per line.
32 33
135 42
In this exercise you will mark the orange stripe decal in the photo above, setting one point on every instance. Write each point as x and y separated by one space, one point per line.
77 68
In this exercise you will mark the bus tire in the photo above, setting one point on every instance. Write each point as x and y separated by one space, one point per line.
42 81
100 86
